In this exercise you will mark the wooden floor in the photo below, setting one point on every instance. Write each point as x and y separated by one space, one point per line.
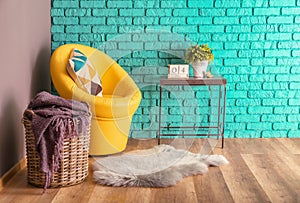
260 170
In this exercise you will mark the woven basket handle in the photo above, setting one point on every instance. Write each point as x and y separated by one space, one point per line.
28 113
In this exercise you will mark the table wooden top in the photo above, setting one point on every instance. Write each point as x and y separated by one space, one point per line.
193 81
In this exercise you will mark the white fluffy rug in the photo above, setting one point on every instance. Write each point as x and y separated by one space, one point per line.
161 166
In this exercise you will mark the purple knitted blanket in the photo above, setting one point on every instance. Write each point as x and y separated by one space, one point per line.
53 120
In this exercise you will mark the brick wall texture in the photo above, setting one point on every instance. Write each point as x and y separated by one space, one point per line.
256 44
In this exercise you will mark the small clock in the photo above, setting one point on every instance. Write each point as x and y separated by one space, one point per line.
178 71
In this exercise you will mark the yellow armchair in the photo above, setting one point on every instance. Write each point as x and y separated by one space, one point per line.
112 113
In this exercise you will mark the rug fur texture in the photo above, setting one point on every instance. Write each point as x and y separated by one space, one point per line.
161 166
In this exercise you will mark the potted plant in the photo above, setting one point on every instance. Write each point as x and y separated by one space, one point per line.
199 56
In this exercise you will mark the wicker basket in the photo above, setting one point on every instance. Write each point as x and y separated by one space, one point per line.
73 165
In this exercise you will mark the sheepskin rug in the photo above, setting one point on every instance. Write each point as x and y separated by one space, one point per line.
161 166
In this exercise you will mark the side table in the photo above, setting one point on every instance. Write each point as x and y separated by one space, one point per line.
219 82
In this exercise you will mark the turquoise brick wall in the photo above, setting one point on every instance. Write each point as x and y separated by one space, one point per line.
256 45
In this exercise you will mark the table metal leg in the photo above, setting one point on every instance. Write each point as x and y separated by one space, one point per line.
159 115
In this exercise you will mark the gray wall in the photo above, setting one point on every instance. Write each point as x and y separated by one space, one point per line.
24 63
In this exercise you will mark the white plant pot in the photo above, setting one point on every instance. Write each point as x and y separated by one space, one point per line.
199 68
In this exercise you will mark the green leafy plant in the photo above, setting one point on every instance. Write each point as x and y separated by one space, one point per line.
198 53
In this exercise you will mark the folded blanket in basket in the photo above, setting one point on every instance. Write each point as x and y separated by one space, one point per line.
53 120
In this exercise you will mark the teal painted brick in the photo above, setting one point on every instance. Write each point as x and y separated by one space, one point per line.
289 77
131 62
273 118
185 12
266 11
119 4
248 85
237 62
247 118
287 94
171 37
290 11
119 21
160 28
92 20
259 126
294 133
260 110
285 126
91 37
260 94
172 20
200 4
248 134
286 110
57 29
255 3
249 70
145 21
145 54
294 85
280 19
296 53
157 45
144 37
236 94
226 20
294 118
265 28
263 45
226 53
212 28
261 78
288 61
274 133
213 12
289 28
275 85
238 28
294 102
250 53
77 12
236 110
248 102
65 20
117 37
282 3
105 12
251 37
104 29
235 45
130 28
65 37
236 78
146 4
274 102
239 11
78 29
65 4
227 4
131 45
57 12
253 20
278 36
132 12
277 53
295 69
173 4
263 61
225 37
199 20
158 12
276 69
185 29
92 4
